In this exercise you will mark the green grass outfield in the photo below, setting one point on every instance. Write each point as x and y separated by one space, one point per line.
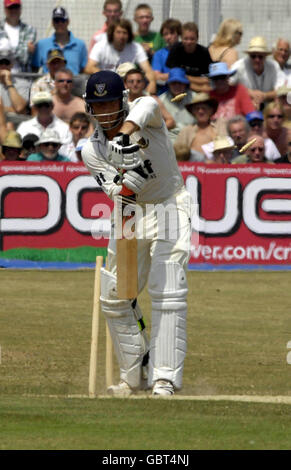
238 330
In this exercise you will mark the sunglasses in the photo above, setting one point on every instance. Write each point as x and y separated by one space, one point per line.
13 7
51 144
256 123
256 56
62 80
59 20
272 116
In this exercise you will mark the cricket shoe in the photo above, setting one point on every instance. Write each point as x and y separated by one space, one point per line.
163 388
122 390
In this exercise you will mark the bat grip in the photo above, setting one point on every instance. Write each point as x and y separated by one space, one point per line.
126 192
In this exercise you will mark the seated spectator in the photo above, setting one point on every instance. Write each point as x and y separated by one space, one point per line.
21 36
112 10
287 157
135 82
151 41
229 35
232 99
28 146
256 123
238 129
191 57
255 153
74 49
45 118
222 150
194 136
14 91
283 96
171 30
178 83
11 147
48 145
260 76
281 53
55 61
118 48
79 126
66 104
274 117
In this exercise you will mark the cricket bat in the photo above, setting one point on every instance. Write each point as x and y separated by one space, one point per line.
126 255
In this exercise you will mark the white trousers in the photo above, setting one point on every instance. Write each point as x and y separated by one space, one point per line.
163 234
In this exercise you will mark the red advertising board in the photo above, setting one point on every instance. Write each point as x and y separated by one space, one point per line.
243 212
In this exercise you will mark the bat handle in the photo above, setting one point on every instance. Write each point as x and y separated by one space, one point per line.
126 192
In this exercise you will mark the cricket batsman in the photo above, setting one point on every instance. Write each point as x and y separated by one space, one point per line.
131 149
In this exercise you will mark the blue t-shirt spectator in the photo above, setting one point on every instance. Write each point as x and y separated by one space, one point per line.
73 49
159 63
75 53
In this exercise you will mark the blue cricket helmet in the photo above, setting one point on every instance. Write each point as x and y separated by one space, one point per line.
104 86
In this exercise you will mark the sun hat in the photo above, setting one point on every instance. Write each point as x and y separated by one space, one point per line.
203 98
12 139
283 91
42 97
221 143
258 44
178 74
122 69
49 135
218 69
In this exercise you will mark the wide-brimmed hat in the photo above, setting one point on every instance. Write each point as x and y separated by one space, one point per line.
122 69
283 91
222 143
49 135
42 97
12 139
177 74
203 98
258 44
218 69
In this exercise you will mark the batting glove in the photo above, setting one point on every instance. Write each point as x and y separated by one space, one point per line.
134 181
122 154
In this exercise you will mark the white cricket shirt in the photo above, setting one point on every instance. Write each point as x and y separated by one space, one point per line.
159 160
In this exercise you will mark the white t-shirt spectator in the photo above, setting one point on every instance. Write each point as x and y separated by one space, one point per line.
108 58
271 78
33 126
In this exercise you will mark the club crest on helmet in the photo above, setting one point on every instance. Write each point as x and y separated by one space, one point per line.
100 89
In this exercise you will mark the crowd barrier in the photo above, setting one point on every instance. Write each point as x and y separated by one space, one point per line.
242 213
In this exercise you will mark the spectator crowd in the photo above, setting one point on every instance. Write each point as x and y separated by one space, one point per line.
219 106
